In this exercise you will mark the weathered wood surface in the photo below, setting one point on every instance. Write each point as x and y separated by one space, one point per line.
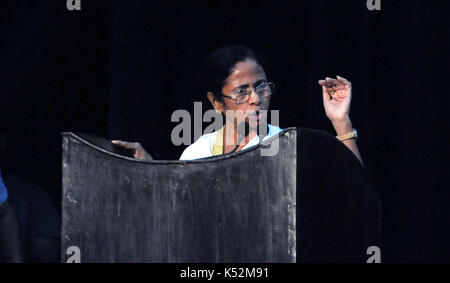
234 208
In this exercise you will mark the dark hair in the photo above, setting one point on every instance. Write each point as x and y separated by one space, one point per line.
219 66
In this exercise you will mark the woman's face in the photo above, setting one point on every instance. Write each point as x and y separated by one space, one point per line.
245 75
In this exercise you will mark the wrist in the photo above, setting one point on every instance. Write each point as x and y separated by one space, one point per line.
346 117
342 126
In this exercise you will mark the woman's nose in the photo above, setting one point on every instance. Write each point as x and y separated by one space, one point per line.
254 98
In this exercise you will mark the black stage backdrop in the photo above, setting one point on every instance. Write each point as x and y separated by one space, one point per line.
120 68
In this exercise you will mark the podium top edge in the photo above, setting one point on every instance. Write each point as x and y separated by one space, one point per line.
177 162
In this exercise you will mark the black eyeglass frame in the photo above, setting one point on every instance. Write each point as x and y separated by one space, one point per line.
270 84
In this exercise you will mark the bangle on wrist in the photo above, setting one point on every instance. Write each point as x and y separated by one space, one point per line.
348 136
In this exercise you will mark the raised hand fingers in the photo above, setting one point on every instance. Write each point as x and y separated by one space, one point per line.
334 82
327 89
325 83
339 87
343 80
326 93
329 82
334 86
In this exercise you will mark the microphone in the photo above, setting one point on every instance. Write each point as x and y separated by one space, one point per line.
241 137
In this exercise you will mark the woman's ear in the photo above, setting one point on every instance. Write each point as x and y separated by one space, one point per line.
217 105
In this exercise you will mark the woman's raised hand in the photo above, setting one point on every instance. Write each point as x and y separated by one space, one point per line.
337 95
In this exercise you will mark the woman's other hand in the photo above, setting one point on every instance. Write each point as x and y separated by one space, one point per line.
135 148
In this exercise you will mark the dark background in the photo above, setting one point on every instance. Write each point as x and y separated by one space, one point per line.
119 69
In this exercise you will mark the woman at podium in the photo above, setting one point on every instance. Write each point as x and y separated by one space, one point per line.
235 82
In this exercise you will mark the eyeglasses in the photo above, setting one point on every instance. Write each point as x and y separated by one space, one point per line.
263 90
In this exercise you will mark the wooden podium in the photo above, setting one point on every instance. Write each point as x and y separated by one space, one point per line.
239 207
